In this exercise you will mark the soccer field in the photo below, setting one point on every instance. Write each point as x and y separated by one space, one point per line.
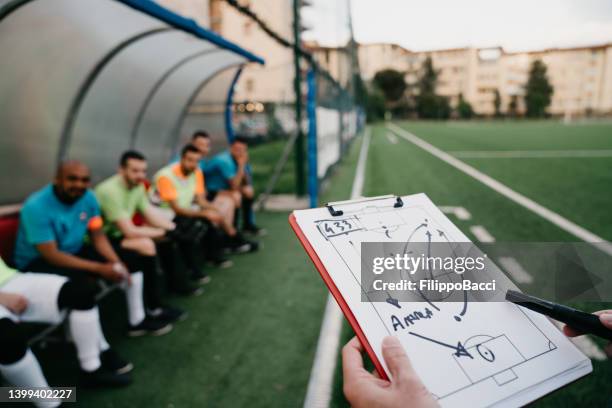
250 339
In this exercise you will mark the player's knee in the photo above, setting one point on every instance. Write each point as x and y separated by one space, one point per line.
237 197
248 192
146 247
77 295
13 344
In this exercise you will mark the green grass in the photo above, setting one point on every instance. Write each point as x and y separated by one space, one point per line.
250 339
578 188
263 159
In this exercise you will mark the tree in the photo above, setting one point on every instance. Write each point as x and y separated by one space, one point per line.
513 106
428 104
497 103
538 90
375 105
464 109
391 83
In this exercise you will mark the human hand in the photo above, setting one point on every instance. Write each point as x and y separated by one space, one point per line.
363 389
111 272
14 302
605 316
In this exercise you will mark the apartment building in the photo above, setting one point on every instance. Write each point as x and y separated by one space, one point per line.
581 76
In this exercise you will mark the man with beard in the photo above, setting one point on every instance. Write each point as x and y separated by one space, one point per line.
120 197
54 224
229 173
179 189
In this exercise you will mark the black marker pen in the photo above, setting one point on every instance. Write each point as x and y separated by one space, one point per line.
586 323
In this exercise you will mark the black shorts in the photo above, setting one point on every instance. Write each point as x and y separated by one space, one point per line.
210 195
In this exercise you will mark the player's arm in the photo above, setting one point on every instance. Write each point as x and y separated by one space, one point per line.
130 230
237 180
156 220
102 245
53 255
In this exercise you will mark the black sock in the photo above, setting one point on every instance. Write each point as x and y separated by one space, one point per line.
247 212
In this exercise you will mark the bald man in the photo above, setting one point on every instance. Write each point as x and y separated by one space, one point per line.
56 221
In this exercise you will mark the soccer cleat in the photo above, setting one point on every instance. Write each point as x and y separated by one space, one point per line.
103 377
168 314
190 291
200 277
254 230
151 326
113 362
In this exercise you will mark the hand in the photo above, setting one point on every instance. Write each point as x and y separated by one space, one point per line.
605 316
14 302
242 159
363 389
110 272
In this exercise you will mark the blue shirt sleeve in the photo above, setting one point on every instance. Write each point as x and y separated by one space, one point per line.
227 168
92 203
36 225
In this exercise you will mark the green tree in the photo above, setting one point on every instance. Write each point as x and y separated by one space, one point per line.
375 105
497 103
513 106
428 104
464 108
538 90
391 83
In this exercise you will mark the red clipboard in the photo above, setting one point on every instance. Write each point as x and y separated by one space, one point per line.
333 289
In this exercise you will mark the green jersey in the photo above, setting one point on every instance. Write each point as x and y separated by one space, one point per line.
6 272
119 202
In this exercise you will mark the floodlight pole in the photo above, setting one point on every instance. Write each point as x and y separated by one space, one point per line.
300 174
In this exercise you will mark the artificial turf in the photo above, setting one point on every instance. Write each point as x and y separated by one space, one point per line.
250 339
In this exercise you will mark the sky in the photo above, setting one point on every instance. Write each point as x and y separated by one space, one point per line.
516 25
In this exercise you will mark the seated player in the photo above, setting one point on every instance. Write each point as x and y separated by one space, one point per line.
179 188
54 224
226 202
44 298
229 172
120 197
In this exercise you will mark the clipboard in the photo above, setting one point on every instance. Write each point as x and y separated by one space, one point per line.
331 286
544 359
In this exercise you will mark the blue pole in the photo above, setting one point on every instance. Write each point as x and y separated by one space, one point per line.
229 102
311 110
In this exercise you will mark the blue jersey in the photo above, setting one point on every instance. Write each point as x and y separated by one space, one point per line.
220 170
44 218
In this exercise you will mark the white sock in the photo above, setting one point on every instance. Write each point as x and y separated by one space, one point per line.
84 330
27 373
102 343
133 294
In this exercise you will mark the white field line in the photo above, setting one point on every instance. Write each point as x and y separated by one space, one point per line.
482 234
391 138
506 191
459 212
531 154
319 391
515 269
585 344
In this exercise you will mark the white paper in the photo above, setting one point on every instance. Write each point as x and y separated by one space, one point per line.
515 355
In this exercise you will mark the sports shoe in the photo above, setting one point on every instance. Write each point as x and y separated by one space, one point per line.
254 230
151 326
240 245
200 277
113 362
103 377
168 314
218 261
190 291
